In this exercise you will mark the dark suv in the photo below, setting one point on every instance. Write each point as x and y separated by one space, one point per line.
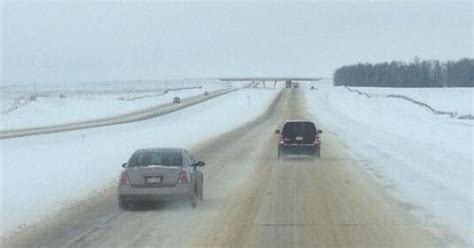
299 137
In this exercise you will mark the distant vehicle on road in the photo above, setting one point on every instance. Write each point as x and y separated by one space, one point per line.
296 85
206 93
299 137
176 100
160 174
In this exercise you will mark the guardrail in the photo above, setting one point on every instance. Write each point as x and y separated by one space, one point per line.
409 99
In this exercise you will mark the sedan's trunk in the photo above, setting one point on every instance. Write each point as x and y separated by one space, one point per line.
153 176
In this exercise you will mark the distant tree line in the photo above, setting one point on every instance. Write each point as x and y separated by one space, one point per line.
427 73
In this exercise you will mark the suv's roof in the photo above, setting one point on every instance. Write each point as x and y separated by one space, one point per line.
298 121
160 149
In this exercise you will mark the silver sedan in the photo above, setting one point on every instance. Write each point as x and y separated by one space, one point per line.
160 174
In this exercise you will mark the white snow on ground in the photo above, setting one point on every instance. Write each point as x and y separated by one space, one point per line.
39 174
42 105
425 160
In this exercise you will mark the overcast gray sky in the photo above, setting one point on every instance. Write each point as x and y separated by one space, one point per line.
90 41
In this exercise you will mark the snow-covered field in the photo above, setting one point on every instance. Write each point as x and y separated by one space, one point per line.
425 160
41 105
38 177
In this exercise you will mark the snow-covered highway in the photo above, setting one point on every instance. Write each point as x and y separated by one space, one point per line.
251 198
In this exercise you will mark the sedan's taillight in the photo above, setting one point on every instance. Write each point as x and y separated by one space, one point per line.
124 178
183 176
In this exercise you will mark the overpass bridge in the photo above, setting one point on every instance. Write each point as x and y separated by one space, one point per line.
289 81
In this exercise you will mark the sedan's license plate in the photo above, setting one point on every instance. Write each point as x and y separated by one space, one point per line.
299 138
153 180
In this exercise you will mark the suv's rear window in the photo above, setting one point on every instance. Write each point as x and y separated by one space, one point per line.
156 158
299 128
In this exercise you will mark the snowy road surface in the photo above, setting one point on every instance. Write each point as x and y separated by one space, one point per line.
52 171
253 199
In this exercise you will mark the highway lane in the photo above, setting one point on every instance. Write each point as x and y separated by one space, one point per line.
252 199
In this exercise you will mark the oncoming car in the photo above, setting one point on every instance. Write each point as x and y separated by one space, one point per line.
160 174
299 137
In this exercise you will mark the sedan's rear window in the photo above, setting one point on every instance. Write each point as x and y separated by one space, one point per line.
156 158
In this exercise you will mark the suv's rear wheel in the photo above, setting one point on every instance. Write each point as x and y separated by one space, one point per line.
124 205
201 190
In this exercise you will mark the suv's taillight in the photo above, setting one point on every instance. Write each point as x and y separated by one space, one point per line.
282 139
316 139
124 178
183 176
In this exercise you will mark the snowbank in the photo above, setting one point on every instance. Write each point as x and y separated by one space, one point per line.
41 173
43 105
425 160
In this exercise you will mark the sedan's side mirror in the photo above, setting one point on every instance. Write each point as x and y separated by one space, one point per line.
320 131
124 165
277 131
200 163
